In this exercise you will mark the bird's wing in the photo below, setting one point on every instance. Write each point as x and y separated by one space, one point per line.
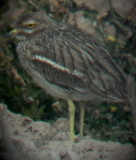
74 60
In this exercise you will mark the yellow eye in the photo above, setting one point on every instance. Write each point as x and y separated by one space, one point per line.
30 26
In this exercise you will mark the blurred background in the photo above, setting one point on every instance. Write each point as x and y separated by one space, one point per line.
112 22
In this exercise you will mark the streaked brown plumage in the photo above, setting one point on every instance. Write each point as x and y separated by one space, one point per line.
67 62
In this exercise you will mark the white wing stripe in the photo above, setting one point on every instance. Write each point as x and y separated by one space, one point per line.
57 66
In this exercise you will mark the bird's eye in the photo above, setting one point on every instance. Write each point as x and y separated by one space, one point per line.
30 26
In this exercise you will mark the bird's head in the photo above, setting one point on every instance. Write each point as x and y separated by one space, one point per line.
28 25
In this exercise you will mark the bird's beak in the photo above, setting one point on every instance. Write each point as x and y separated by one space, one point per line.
11 34
14 32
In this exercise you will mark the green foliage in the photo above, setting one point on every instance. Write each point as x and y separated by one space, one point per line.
110 122
90 15
33 111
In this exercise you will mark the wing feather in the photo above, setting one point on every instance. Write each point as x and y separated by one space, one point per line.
79 63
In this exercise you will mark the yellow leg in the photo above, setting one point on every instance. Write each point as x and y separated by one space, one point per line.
72 119
82 113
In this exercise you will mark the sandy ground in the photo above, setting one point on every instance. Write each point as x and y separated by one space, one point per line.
21 138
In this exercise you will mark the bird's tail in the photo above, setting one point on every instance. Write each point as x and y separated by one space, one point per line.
132 97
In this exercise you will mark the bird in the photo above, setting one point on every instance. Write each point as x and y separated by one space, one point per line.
68 63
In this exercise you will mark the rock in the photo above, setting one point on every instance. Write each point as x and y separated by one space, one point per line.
25 139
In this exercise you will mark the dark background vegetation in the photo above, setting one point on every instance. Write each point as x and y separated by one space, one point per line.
114 27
